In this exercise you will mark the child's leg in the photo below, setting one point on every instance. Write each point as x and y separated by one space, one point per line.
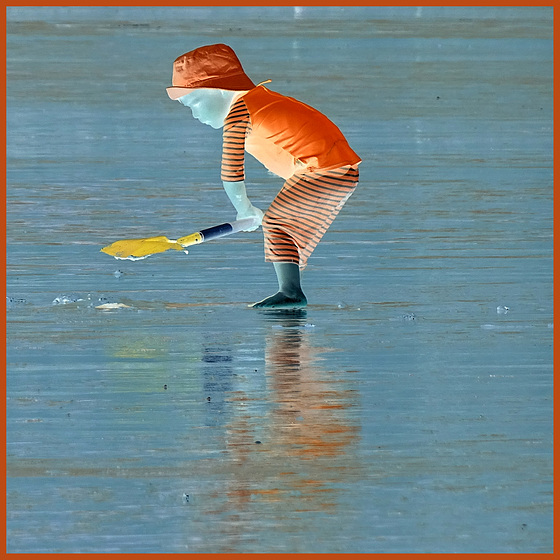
302 212
290 294
296 221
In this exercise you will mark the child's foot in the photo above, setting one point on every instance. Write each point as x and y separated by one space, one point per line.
282 301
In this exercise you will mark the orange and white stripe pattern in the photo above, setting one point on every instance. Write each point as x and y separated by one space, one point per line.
236 127
302 212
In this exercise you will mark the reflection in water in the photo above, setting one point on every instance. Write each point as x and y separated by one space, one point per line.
309 415
217 376
293 459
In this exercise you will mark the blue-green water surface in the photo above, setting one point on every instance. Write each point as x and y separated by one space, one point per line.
407 409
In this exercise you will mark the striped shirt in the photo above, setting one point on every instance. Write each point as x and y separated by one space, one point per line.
237 126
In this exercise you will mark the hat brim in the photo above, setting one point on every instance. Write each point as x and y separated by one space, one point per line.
238 82
176 92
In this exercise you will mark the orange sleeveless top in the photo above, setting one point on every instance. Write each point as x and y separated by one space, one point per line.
286 135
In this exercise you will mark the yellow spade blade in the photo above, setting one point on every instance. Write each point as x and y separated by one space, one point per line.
141 248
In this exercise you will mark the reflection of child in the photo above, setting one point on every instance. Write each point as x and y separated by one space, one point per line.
291 139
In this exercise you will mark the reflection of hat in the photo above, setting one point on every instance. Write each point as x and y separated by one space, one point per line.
212 66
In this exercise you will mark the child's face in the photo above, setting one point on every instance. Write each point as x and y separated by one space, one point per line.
209 106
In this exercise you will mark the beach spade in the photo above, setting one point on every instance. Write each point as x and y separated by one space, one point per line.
134 249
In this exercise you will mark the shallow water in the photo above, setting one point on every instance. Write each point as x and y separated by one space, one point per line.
408 409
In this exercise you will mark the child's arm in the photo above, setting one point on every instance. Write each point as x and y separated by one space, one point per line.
238 195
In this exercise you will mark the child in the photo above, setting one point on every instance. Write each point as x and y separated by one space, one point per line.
291 139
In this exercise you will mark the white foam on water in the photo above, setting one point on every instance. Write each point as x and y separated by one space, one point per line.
65 300
131 258
112 306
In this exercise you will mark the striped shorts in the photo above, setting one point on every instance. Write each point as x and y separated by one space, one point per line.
302 212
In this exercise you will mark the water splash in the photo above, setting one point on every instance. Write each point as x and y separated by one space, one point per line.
65 300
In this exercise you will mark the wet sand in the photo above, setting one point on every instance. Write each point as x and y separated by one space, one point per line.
407 409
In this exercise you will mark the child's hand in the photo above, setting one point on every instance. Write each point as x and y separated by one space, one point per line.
252 212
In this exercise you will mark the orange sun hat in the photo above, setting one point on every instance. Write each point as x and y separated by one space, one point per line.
211 66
